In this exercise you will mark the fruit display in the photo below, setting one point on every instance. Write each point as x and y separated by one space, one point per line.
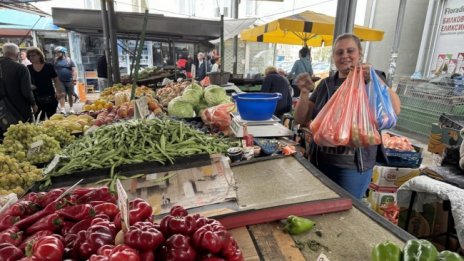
109 94
98 105
86 225
394 142
71 123
136 141
170 91
15 176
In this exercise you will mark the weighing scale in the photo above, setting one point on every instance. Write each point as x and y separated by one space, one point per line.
265 128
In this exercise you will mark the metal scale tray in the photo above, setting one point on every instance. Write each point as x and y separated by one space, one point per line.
266 128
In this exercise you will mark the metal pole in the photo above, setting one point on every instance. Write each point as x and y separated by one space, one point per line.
222 45
341 18
114 40
350 16
396 42
106 40
234 68
139 54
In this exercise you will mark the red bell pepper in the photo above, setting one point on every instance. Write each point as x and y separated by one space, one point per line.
21 208
96 236
96 202
81 225
11 235
212 258
178 211
44 199
147 256
210 238
171 225
99 194
31 196
95 257
139 210
105 250
66 227
9 252
231 251
32 238
51 222
48 248
108 209
143 236
8 221
79 192
49 209
178 248
77 212
123 253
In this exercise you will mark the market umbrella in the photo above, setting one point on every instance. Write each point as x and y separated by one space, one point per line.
310 28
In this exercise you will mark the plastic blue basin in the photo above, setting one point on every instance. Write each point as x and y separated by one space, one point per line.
256 106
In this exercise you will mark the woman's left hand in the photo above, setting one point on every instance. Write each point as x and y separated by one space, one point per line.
365 67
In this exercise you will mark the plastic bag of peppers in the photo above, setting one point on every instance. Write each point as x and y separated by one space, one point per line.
86 225
414 249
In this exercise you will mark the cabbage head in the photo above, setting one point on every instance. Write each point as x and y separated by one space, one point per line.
192 96
215 95
195 86
177 107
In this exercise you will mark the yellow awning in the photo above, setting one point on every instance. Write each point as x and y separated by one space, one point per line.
308 27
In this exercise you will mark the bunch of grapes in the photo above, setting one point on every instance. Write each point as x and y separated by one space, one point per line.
23 132
15 149
16 177
47 150
60 134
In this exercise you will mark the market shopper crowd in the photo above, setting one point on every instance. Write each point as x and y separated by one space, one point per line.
351 168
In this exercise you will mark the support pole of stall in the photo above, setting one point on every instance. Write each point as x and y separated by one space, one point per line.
139 54
221 69
234 68
131 69
114 41
396 42
106 40
344 20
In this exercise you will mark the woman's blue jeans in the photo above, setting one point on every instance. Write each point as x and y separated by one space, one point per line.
353 181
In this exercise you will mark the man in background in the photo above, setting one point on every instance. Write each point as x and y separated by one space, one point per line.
23 59
203 67
16 98
66 70
102 73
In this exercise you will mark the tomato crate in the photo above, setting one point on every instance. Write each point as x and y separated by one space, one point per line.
404 159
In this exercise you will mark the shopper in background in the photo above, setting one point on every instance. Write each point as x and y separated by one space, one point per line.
203 66
66 70
102 73
16 98
23 58
216 65
351 168
273 83
302 65
283 73
181 63
45 83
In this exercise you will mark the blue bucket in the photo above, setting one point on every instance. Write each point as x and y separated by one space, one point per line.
256 106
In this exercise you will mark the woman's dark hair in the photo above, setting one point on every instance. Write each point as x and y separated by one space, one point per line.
349 36
37 51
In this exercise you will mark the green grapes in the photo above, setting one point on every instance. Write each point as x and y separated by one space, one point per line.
60 134
16 176
46 152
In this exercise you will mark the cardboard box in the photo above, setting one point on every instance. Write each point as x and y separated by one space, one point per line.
442 137
381 198
385 178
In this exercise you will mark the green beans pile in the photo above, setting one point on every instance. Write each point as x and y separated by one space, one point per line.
137 141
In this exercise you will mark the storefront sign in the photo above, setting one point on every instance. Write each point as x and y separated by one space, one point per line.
449 52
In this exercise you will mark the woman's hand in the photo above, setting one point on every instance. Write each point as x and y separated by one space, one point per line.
365 67
304 83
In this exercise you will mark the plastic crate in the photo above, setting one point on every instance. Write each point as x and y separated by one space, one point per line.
452 121
404 159
219 78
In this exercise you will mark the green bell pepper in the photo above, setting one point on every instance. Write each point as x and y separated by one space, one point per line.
386 251
447 255
419 250
297 225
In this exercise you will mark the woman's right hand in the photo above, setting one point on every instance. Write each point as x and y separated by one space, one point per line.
304 83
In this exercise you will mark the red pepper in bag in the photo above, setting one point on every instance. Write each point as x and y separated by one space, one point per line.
143 236
178 248
210 238
48 248
11 235
34 237
178 211
51 222
77 212
108 209
8 221
171 225
9 252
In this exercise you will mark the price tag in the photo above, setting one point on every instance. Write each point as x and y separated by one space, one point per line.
91 129
52 164
322 257
69 190
141 108
123 204
34 148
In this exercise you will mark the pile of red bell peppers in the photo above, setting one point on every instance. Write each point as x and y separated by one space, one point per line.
84 225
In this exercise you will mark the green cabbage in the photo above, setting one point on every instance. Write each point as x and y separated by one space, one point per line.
201 106
177 107
215 95
192 96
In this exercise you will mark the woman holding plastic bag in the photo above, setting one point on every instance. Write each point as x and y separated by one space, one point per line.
350 166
